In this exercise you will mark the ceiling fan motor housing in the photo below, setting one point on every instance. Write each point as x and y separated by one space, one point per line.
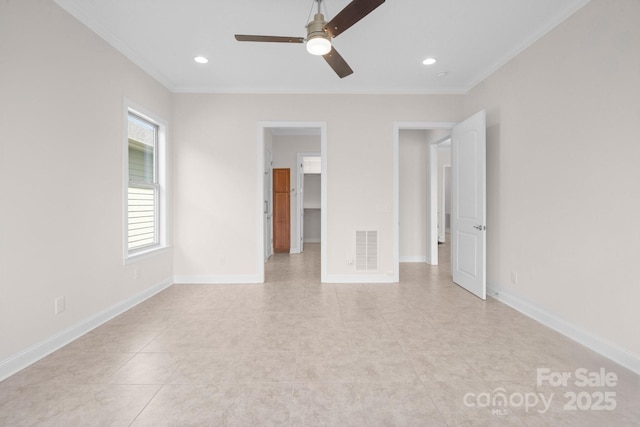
315 28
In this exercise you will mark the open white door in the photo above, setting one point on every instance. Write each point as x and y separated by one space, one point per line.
468 204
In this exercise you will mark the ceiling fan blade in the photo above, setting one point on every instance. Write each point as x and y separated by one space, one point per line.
268 39
352 13
338 63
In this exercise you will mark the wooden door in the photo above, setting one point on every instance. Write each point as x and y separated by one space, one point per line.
281 210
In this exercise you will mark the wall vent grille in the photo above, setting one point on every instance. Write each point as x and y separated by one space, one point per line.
366 250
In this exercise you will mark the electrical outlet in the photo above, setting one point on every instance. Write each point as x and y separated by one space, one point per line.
350 261
223 260
59 305
136 272
514 277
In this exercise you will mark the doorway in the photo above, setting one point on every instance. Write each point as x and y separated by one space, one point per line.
439 165
309 198
468 207
413 197
266 132
444 128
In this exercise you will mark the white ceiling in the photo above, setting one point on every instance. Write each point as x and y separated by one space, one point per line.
470 39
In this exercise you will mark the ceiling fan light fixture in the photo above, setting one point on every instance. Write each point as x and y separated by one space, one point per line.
318 41
318 45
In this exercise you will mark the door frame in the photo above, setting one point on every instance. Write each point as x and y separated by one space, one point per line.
397 127
263 126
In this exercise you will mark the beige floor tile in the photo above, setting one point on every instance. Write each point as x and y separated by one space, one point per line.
442 366
499 365
70 367
297 352
418 337
255 405
266 367
370 336
144 319
400 405
328 404
391 366
314 339
183 405
191 322
206 368
114 339
356 314
148 368
74 405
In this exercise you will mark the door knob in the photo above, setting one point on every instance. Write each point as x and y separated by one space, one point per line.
479 227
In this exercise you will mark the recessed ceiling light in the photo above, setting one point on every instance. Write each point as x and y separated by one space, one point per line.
442 74
201 59
429 61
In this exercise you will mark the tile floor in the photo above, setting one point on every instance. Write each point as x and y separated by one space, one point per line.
296 352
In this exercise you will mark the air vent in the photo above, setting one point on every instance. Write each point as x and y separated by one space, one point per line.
366 250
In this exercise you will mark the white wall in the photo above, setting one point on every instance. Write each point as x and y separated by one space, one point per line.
285 155
62 92
312 190
215 173
413 152
312 204
563 173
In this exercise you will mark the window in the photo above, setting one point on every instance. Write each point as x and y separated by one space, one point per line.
144 189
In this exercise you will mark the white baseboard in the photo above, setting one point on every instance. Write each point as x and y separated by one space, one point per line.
37 351
607 349
413 259
217 279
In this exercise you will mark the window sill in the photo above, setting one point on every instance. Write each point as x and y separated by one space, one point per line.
148 253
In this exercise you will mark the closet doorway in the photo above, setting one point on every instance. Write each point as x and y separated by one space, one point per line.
309 198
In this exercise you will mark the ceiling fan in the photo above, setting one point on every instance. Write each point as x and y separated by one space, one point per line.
320 33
